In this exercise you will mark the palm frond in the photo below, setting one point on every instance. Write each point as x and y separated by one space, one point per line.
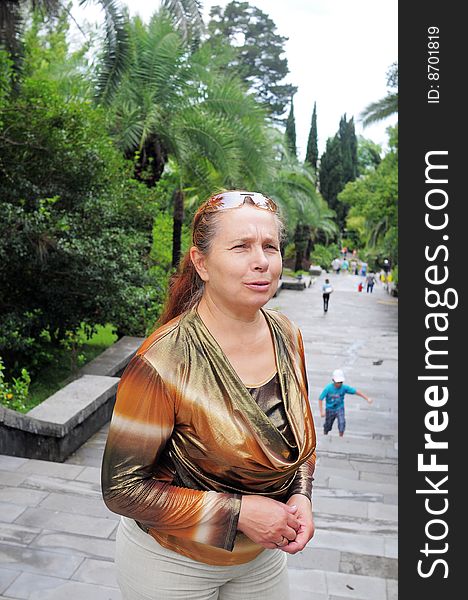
116 53
377 111
187 18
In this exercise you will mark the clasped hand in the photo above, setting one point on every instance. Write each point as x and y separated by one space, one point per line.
273 524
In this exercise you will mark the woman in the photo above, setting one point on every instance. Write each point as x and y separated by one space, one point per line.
327 289
211 448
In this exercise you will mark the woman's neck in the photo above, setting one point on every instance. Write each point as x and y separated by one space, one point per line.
226 323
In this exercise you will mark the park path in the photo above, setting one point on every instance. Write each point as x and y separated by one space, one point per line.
57 537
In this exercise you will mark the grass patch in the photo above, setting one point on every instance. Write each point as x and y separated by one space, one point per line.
60 372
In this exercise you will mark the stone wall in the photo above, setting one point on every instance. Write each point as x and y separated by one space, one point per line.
63 422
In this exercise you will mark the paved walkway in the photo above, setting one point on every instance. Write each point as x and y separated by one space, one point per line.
57 537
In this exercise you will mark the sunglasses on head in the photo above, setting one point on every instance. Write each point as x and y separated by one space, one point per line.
235 199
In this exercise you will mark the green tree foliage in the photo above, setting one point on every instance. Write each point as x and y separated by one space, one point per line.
374 205
173 104
14 13
349 155
386 106
290 132
331 172
75 230
187 19
369 155
305 212
258 58
312 145
338 165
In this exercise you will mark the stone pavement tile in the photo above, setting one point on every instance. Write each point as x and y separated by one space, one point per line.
69 543
100 572
36 561
12 478
343 585
318 559
391 547
324 460
12 533
390 499
338 506
392 589
366 526
322 475
6 578
21 496
56 484
307 581
349 542
354 446
40 587
388 512
90 475
46 467
79 505
91 457
379 477
345 494
11 463
362 486
9 512
373 566
374 466
66 522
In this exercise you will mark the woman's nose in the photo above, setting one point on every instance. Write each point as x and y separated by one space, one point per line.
260 260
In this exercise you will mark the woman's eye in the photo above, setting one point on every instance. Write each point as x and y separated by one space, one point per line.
240 246
271 247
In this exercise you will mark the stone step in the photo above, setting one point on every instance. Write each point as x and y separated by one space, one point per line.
311 584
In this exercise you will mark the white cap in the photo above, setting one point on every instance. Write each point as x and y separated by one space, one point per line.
338 376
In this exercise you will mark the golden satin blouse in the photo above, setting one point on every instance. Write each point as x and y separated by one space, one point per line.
187 440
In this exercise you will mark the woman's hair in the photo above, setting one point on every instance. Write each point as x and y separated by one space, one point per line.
186 286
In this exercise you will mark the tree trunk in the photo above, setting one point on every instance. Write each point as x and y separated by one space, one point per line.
177 226
299 244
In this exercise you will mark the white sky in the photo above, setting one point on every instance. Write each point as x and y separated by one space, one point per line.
338 53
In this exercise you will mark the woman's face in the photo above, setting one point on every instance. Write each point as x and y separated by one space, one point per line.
242 268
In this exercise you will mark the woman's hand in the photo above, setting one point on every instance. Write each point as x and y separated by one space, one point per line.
268 522
306 529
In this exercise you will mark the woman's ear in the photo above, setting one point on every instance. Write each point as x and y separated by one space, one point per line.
198 260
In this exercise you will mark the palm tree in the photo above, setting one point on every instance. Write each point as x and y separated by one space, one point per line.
385 107
12 17
187 19
170 105
305 211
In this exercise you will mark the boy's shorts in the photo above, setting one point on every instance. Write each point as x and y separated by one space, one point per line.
330 416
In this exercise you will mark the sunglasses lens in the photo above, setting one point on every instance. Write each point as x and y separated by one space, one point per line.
237 199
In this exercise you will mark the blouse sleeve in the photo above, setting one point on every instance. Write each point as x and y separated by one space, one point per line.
142 423
302 482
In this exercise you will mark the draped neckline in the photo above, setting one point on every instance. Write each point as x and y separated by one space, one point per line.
267 434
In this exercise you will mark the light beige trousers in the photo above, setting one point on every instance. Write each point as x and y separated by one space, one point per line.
147 571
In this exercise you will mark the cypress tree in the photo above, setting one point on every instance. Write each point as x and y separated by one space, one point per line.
331 176
290 132
312 146
348 141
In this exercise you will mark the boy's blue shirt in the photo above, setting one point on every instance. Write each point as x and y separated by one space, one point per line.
335 396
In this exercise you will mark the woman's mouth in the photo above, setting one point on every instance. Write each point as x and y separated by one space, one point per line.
258 285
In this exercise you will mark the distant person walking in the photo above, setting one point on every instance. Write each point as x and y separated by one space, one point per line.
363 269
370 282
336 265
334 394
344 265
327 289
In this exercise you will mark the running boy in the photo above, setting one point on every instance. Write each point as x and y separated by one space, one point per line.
334 394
